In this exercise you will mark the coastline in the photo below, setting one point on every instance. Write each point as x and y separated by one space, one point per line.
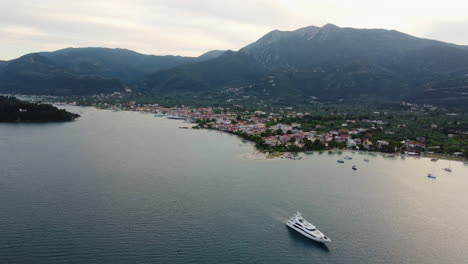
265 156
259 154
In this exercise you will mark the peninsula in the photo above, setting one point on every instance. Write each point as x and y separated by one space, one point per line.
13 110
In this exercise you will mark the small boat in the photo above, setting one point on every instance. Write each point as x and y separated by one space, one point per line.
432 175
354 168
366 160
434 159
298 223
293 157
340 161
175 117
347 157
449 169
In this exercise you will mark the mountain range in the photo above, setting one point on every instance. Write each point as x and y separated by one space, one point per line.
84 71
327 63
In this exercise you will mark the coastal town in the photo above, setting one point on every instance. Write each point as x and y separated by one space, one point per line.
291 131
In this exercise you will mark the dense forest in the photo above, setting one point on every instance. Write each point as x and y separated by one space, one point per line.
14 110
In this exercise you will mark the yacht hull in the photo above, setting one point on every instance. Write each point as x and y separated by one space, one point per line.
318 239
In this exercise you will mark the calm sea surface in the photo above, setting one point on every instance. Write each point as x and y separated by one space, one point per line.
123 187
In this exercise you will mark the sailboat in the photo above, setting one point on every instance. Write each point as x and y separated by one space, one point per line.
432 175
448 169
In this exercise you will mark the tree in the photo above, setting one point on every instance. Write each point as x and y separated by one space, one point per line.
267 133
316 145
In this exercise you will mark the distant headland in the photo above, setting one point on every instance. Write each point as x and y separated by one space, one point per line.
13 110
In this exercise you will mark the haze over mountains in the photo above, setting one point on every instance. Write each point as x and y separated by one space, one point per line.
311 63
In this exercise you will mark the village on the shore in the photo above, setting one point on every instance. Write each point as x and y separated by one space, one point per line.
273 132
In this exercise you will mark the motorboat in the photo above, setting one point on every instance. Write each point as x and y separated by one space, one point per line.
354 168
340 161
302 226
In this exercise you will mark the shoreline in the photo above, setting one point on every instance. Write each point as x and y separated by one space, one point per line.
266 155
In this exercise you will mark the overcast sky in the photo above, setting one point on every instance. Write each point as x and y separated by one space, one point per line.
191 27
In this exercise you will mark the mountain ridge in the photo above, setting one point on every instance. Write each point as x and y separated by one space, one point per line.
108 62
325 63
35 74
334 63
85 71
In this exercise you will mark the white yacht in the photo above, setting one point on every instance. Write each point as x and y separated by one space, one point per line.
298 223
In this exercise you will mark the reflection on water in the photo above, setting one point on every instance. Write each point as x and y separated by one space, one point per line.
301 240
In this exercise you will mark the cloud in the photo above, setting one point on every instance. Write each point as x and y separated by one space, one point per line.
186 27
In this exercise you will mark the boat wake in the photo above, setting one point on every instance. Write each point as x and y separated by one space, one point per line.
279 215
